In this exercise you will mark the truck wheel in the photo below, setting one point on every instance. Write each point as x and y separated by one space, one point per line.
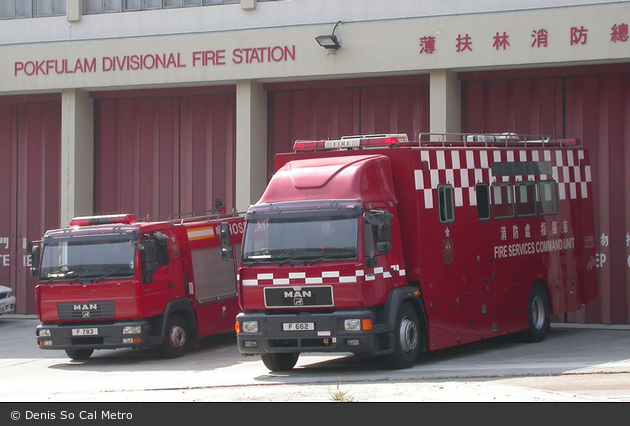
280 362
176 338
406 337
538 315
79 354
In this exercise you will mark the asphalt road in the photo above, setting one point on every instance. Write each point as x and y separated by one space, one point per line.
575 364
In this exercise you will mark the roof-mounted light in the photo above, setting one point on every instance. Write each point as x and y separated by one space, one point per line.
352 142
103 219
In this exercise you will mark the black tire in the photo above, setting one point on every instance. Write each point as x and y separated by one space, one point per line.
280 362
538 315
176 337
407 337
79 354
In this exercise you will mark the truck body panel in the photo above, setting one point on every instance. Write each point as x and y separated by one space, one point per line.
97 279
474 228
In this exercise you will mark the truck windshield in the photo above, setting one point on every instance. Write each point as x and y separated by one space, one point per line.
87 260
304 239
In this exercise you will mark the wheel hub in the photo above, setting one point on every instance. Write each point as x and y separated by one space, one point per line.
408 335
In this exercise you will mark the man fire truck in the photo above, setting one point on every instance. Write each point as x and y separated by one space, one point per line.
375 245
112 281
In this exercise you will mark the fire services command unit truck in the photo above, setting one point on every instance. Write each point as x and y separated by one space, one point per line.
378 246
112 281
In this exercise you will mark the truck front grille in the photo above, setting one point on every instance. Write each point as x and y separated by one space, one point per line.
86 311
299 297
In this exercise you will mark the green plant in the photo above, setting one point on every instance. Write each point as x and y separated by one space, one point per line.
340 396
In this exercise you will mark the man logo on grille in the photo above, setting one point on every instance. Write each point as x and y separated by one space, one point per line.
298 295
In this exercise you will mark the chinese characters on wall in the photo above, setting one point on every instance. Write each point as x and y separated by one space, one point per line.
540 39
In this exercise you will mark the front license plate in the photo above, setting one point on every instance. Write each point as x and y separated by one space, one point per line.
85 331
298 326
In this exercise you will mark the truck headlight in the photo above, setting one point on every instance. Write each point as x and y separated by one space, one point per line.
352 325
43 332
249 326
132 329
356 324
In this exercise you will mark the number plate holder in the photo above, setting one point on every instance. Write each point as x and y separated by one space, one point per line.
298 326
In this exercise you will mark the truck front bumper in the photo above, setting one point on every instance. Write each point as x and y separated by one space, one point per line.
7 305
122 334
307 332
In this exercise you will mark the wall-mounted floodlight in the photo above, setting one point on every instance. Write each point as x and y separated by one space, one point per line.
329 41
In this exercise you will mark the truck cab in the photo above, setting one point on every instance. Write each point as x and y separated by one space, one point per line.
322 266
111 281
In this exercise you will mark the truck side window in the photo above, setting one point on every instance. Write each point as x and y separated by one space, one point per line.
502 200
525 193
445 203
161 254
483 201
547 197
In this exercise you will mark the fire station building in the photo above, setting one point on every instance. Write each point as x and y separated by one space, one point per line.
161 107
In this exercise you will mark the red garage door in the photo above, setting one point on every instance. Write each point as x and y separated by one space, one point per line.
161 153
589 103
331 109
30 172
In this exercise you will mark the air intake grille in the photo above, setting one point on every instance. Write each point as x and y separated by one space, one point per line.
298 297
87 310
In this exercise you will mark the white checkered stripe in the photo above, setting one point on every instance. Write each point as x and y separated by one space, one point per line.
324 277
465 168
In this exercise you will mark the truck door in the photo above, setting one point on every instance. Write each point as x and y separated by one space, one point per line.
163 280
484 261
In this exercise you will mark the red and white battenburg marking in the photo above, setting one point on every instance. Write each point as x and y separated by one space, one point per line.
465 168
323 277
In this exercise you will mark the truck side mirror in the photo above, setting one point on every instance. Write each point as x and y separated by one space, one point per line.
381 219
149 263
384 231
227 252
35 252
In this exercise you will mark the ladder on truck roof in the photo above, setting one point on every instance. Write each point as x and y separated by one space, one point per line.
394 140
506 139
182 218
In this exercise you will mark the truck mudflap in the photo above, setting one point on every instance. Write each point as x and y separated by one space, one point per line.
340 331
121 334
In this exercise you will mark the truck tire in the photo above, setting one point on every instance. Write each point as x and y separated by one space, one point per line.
79 354
538 314
406 338
176 337
280 362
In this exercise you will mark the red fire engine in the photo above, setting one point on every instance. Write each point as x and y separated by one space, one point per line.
111 281
377 245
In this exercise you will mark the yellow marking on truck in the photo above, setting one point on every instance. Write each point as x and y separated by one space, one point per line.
201 233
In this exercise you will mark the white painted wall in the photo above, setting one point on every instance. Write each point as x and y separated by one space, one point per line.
273 14
369 46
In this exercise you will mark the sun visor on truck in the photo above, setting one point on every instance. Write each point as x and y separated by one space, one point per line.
365 177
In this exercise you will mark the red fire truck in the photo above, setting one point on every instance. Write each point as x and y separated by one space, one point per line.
112 281
379 246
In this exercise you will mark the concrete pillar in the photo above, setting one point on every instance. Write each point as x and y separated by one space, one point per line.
251 142
77 161
445 102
